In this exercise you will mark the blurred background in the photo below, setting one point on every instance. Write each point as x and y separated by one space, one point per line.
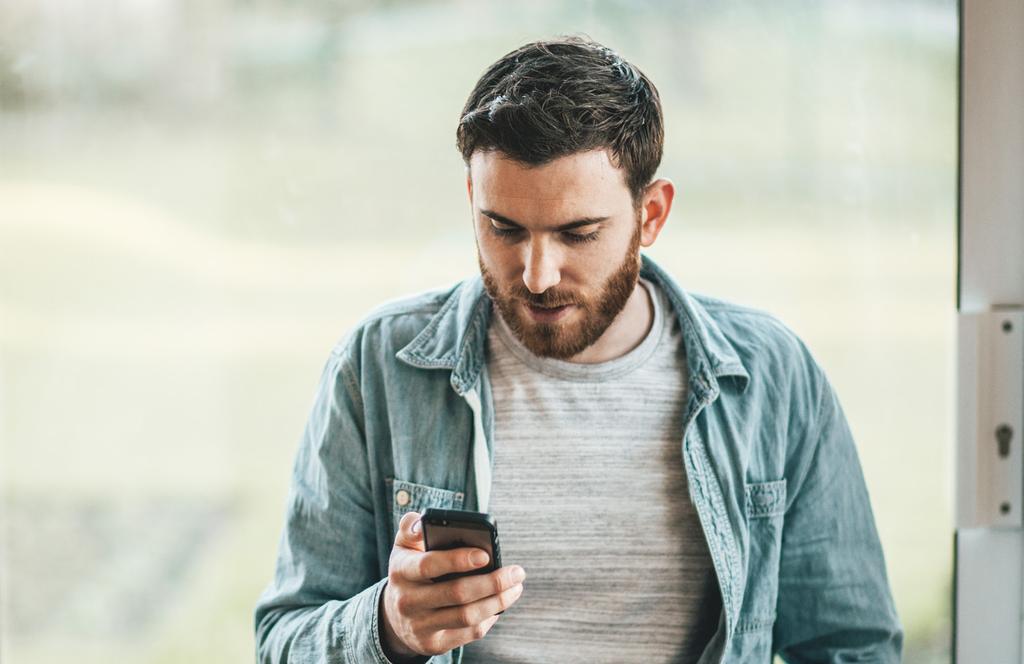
199 197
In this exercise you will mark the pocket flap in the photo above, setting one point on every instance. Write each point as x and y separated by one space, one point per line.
411 497
766 498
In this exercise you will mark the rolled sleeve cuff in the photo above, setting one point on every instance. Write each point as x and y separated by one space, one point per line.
365 645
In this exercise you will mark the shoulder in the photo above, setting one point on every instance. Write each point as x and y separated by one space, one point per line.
772 353
395 322
739 323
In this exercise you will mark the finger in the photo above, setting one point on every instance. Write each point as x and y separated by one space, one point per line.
441 642
456 592
410 532
424 567
460 637
474 613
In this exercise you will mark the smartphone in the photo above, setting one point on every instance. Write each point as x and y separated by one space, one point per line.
452 529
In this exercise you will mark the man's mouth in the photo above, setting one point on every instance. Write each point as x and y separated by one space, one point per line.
548 314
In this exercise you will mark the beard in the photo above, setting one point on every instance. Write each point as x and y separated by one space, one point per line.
565 339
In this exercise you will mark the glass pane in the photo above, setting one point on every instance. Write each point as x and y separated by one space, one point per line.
198 199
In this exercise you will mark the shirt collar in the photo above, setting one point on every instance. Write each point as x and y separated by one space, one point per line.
455 337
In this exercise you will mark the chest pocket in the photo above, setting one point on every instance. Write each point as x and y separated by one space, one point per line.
411 497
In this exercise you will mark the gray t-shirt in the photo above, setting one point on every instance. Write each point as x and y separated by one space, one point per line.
591 500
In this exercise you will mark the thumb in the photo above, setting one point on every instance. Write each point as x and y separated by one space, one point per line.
410 532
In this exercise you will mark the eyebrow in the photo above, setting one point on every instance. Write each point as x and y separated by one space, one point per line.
586 221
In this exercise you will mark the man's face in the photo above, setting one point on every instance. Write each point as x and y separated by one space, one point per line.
558 246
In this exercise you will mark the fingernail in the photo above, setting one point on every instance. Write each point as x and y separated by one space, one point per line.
518 575
416 527
478 558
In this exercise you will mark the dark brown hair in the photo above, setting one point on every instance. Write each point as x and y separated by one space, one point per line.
549 99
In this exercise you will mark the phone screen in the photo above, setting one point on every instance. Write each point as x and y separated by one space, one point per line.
454 537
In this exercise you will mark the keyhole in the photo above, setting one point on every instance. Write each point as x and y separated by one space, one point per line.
1003 435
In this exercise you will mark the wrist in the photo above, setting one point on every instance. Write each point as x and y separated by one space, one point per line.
393 648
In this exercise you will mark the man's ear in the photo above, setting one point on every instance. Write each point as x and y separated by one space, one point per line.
654 208
469 186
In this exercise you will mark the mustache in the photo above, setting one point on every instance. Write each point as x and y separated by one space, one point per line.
548 299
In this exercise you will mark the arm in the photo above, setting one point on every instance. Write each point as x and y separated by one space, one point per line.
834 603
322 605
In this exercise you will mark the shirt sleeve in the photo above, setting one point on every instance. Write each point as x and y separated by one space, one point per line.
834 602
322 604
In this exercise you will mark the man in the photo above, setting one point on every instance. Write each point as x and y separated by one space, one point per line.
673 471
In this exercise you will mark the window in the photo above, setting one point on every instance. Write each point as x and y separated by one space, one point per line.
200 198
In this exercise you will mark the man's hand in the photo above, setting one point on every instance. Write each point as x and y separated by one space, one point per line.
420 617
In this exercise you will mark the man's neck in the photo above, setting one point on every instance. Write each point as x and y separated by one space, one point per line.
625 333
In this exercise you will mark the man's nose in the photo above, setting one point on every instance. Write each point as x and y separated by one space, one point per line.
541 270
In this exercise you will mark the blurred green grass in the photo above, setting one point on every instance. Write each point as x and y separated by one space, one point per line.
210 400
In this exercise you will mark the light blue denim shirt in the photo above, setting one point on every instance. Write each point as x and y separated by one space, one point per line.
404 409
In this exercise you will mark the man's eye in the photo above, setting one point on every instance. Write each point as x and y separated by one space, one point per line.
503 231
579 238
